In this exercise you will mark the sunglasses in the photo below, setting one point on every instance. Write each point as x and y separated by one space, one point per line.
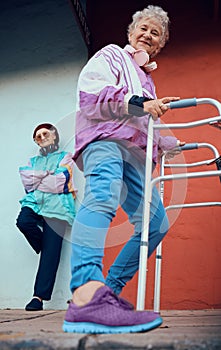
40 136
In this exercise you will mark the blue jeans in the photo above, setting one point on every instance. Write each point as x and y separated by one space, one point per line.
114 176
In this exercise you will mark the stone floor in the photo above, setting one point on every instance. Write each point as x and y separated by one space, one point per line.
43 331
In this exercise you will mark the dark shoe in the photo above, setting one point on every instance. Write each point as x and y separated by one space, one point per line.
34 305
107 313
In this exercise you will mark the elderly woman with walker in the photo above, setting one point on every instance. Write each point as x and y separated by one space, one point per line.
115 99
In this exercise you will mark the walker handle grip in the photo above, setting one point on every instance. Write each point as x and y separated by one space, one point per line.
188 147
188 102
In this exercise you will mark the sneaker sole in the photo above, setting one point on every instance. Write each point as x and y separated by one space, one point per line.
95 328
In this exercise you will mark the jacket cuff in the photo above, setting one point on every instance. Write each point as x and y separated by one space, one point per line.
135 105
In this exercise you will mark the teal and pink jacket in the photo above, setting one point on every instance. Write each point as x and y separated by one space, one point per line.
47 181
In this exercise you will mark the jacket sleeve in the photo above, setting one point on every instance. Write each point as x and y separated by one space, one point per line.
167 143
61 180
31 178
100 94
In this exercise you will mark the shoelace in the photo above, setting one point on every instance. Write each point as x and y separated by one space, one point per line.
113 299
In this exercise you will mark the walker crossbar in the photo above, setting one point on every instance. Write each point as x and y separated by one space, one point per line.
141 290
185 176
193 205
188 125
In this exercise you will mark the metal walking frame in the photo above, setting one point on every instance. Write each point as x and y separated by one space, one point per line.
149 184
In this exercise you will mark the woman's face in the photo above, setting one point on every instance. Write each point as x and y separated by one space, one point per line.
147 35
44 137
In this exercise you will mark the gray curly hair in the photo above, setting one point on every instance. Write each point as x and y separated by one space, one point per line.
150 12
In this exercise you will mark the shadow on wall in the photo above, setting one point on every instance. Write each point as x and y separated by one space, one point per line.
27 31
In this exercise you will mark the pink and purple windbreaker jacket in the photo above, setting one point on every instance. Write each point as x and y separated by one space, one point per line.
106 83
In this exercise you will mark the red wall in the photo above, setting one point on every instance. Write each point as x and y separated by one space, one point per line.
188 67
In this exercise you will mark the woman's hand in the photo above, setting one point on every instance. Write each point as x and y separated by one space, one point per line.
175 151
172 152
158 107
180 143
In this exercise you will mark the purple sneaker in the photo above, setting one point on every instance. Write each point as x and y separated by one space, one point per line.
107 313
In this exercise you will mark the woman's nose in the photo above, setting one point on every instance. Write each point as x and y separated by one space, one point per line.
147 34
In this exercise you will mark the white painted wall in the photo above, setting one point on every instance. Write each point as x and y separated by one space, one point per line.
42 53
